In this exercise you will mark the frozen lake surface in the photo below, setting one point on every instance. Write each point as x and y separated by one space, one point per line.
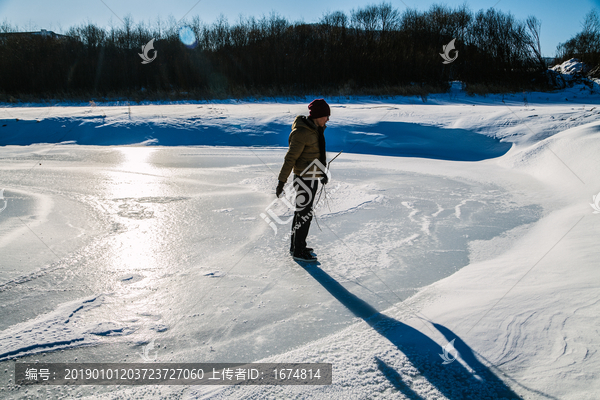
176 245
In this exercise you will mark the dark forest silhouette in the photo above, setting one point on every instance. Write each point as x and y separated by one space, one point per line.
373 50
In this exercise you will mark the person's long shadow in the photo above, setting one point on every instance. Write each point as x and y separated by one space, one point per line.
453 380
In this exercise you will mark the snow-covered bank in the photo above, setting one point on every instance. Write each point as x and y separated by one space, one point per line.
495 254
527 316
400 126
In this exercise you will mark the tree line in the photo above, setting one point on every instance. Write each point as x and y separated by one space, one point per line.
371 49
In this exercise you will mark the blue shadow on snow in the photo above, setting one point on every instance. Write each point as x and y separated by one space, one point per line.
453 380
383 138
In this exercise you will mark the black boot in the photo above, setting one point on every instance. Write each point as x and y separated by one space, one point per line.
304 255
310 250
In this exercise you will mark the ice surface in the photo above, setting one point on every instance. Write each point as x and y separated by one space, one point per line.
108 248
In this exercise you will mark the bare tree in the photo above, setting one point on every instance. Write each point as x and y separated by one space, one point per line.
534 26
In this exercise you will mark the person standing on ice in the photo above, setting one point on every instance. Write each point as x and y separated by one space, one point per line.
306 156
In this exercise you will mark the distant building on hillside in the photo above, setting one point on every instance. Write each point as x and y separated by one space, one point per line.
43 33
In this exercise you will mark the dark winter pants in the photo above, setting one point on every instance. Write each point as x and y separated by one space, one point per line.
305 196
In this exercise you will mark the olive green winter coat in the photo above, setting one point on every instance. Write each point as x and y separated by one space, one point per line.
303 150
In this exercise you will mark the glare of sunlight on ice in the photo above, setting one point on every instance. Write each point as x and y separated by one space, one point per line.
136 251
133 190
136 159
135 176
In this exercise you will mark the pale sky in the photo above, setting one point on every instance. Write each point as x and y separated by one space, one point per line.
560 19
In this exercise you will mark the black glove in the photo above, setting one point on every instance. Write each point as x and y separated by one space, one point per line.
324 180
279 189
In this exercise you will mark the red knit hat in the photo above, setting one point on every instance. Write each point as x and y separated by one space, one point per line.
319 108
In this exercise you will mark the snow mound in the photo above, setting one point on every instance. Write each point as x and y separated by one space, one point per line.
55 330
574 74
567 160
571 67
